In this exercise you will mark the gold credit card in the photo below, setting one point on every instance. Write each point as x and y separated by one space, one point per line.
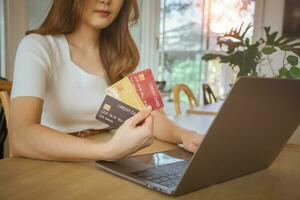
125 92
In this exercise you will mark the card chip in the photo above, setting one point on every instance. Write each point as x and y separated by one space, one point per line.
120 88
141 77
106 107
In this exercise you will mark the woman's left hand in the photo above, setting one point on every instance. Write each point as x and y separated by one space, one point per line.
191 141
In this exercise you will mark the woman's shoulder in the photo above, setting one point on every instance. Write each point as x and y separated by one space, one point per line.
45 46
34 40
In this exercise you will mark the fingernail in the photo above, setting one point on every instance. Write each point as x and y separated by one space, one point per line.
149 108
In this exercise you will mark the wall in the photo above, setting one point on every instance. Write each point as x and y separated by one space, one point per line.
37 11
21 15
273 16
16 25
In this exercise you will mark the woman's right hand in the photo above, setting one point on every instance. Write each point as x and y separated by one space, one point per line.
131 137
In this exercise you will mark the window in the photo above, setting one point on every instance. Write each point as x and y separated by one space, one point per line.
222 16
181 42
188 29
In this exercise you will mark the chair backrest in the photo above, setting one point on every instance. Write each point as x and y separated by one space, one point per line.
5 90
191 97
208 95
4 98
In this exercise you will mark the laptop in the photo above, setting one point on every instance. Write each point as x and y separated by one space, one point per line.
253 125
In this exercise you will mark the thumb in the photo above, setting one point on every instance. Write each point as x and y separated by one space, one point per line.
140 116
148 122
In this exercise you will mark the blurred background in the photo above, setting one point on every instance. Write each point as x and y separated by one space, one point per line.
172 35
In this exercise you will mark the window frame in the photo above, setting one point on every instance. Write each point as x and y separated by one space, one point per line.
2 39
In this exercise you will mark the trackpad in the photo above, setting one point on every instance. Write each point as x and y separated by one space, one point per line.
163 158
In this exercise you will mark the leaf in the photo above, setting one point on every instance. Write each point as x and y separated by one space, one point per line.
247 42
283 72
254 74
210 56
286 47
271 37
249 60
268 50
295 72
284 42
246 30
234 39
237 32
296 51
293 60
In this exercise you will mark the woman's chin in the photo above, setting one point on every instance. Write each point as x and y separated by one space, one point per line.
100 23
99 26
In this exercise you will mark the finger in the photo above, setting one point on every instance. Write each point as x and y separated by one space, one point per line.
192 147
149 122
140 116
197 141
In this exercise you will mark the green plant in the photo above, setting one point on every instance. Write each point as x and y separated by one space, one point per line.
247 55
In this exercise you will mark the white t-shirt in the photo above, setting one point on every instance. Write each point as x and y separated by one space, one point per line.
72 96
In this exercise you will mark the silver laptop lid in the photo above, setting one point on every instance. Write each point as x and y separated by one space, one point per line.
253 125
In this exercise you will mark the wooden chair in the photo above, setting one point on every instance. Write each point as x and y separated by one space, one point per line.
208 95
193 102
5 89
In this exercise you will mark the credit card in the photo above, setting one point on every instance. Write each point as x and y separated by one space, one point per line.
114 112
146 88
124 91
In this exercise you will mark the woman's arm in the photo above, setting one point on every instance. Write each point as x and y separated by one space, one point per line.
166 130
28 138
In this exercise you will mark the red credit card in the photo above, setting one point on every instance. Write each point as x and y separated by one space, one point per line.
146 88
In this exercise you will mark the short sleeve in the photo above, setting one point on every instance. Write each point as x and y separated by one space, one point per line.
32 67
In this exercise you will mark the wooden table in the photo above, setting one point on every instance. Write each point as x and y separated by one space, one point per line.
33 179
210 109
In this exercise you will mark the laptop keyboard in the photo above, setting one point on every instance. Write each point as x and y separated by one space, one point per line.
167 175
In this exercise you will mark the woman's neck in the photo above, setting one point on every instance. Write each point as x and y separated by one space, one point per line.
84 37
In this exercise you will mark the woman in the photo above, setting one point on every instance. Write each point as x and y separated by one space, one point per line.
61 72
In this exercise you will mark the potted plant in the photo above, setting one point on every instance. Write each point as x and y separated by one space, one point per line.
247 55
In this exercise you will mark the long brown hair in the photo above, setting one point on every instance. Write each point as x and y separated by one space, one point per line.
119 53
